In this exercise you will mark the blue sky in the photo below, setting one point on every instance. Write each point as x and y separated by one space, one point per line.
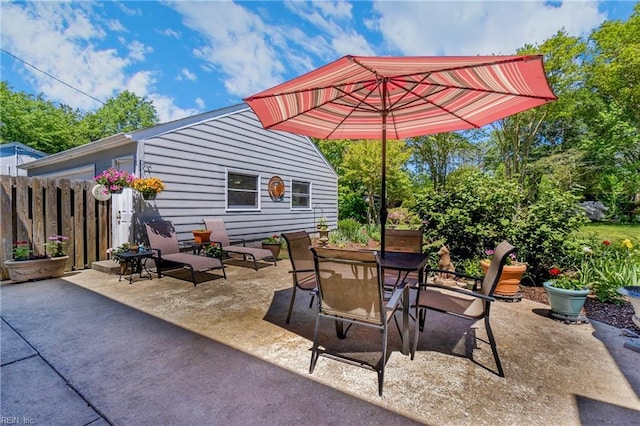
190 57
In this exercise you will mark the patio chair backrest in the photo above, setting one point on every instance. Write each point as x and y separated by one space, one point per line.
218 231
162 236
349 285
298 244
407 240
498 261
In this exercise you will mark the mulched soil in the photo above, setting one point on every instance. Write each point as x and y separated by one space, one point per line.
608 313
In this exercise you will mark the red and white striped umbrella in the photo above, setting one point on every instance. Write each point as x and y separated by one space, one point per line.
360 97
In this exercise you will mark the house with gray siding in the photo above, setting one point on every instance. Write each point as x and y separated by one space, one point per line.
214 165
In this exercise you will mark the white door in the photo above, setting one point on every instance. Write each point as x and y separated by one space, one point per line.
122 208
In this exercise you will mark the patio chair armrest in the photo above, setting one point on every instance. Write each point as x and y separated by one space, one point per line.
394 301
158 251
296 271
235 242
461 291
457 274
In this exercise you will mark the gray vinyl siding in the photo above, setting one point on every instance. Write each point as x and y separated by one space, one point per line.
193 162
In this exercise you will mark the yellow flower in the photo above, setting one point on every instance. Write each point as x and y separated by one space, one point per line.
149 185
627 243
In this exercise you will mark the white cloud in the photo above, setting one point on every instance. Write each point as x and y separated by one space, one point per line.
200 103
167 109
171 33
115 26
237 45
187 74
138 51
479 27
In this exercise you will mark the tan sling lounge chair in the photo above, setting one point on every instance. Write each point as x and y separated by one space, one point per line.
164 242
219 235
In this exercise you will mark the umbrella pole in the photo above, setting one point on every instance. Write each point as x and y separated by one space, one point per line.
383 198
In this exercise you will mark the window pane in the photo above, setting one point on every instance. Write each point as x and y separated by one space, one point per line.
243 199
242 191
238 181
300 194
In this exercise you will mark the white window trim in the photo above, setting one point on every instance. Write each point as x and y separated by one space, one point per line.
291 206
226 191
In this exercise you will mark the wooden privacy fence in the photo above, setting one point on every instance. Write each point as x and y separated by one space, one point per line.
34 209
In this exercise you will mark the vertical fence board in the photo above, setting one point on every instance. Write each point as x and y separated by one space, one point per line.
39 228
91 223
78 224
33 209
66 221
23 220
104 215
50 209
6 227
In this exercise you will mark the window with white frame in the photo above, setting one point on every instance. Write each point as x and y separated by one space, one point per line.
242 191
300 194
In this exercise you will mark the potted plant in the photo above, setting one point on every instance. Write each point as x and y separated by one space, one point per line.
214 250
509 284
567 292
27 266
201 235
273 244
322 224
149 187
115 180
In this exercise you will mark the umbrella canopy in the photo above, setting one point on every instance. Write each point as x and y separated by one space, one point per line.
359 97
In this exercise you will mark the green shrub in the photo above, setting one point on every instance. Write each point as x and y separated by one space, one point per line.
349 227
401 216
477 211
351 205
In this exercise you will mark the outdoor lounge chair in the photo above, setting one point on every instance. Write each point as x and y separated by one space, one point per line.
350 291
304 275
164 242
219 235
469 304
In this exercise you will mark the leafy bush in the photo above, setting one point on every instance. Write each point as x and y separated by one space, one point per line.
613 264
351 205
477 211
349 227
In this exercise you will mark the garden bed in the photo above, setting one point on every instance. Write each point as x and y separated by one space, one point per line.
608 313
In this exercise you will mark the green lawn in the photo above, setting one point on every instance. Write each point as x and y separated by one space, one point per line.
612 231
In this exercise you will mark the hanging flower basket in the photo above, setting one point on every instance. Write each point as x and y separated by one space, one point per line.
115 180
149 187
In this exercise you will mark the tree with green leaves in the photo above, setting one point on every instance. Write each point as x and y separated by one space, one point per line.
439 154
36 122
124 113
362 164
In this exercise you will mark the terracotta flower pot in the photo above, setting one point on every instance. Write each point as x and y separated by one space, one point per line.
201 236
273 248
509 283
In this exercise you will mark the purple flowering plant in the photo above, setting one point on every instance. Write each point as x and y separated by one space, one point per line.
115 180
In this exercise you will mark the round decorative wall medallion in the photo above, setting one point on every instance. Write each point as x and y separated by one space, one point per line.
100 192
276 188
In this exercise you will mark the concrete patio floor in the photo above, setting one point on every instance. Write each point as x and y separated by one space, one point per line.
555 373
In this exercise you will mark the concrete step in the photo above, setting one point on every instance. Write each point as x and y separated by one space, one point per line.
107 266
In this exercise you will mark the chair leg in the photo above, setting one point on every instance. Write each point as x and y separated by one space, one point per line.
420 313
255 264
313 296
384 361
224 273
193 276
494 348
293 298
314 351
